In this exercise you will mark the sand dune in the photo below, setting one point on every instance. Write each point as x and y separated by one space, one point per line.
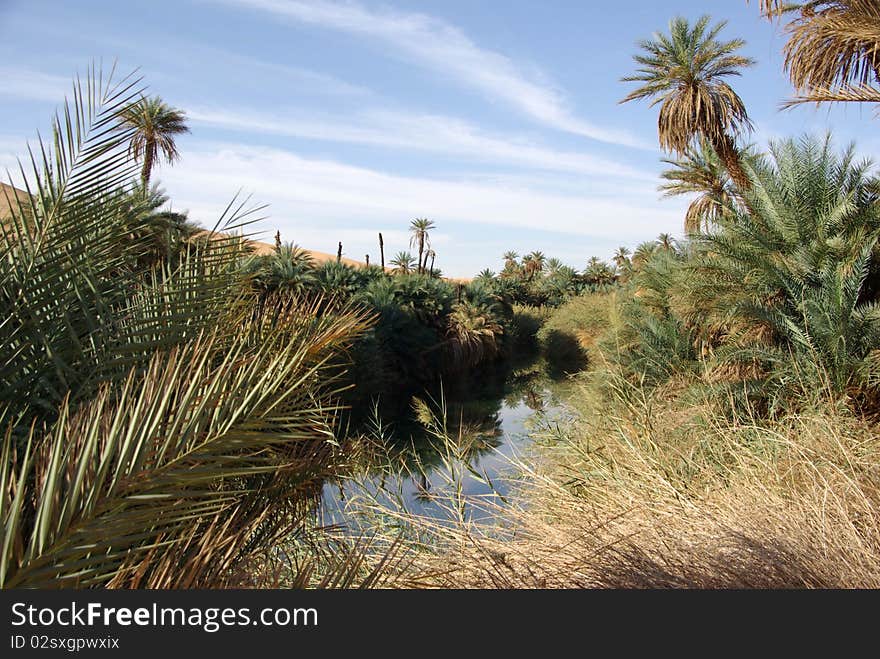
318 257
9 196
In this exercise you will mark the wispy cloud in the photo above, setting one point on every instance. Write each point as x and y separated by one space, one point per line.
28 84
308 195
444 48
431 133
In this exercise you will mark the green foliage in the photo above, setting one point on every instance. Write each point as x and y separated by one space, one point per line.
567 336
290 269
786 282
147 401
799 272
341 281
524 326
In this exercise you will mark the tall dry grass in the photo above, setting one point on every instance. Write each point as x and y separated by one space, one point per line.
641 491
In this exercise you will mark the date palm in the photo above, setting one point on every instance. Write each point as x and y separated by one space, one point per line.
666 242
554 265
145 407
511 264
420 237
644 252
155 126
685 73
403 262
797 273
533 263
833 49
699 171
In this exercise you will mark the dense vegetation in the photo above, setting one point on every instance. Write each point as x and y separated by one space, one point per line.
724 431
170 400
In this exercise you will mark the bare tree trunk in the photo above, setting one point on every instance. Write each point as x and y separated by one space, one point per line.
339 254
382 250
368 260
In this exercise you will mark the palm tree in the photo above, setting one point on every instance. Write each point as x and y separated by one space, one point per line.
403 262
833 50
485 276
598 272
554 265
699 171
511 264
290 269
419 228
665 242
685 73
814 292
155 126
643 253
143 408
621 257
533 263
430 254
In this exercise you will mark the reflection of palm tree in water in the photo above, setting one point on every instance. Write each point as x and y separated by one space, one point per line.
534 399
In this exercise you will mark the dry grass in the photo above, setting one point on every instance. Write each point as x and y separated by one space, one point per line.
647 493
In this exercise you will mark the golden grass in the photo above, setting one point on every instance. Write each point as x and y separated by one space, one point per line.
647 493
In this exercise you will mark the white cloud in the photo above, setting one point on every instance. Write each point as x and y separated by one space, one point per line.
446 49
325 201
28 84
431 133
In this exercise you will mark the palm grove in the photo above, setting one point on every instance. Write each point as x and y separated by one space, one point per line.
164 388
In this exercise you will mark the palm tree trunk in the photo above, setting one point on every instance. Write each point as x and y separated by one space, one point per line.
727 150
147 168
421 250
382 250
432 265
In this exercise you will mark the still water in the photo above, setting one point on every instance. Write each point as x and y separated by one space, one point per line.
490 421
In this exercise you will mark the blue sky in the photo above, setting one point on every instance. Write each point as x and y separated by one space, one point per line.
498 120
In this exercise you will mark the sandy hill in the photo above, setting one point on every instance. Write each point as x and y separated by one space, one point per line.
8 196
317 257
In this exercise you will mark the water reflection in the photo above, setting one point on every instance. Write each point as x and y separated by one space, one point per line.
485 421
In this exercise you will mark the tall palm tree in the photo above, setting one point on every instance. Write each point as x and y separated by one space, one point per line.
420 228
684 72
833 50
533 263
666 242
699 172
155 127
621 257
430 254
511 264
